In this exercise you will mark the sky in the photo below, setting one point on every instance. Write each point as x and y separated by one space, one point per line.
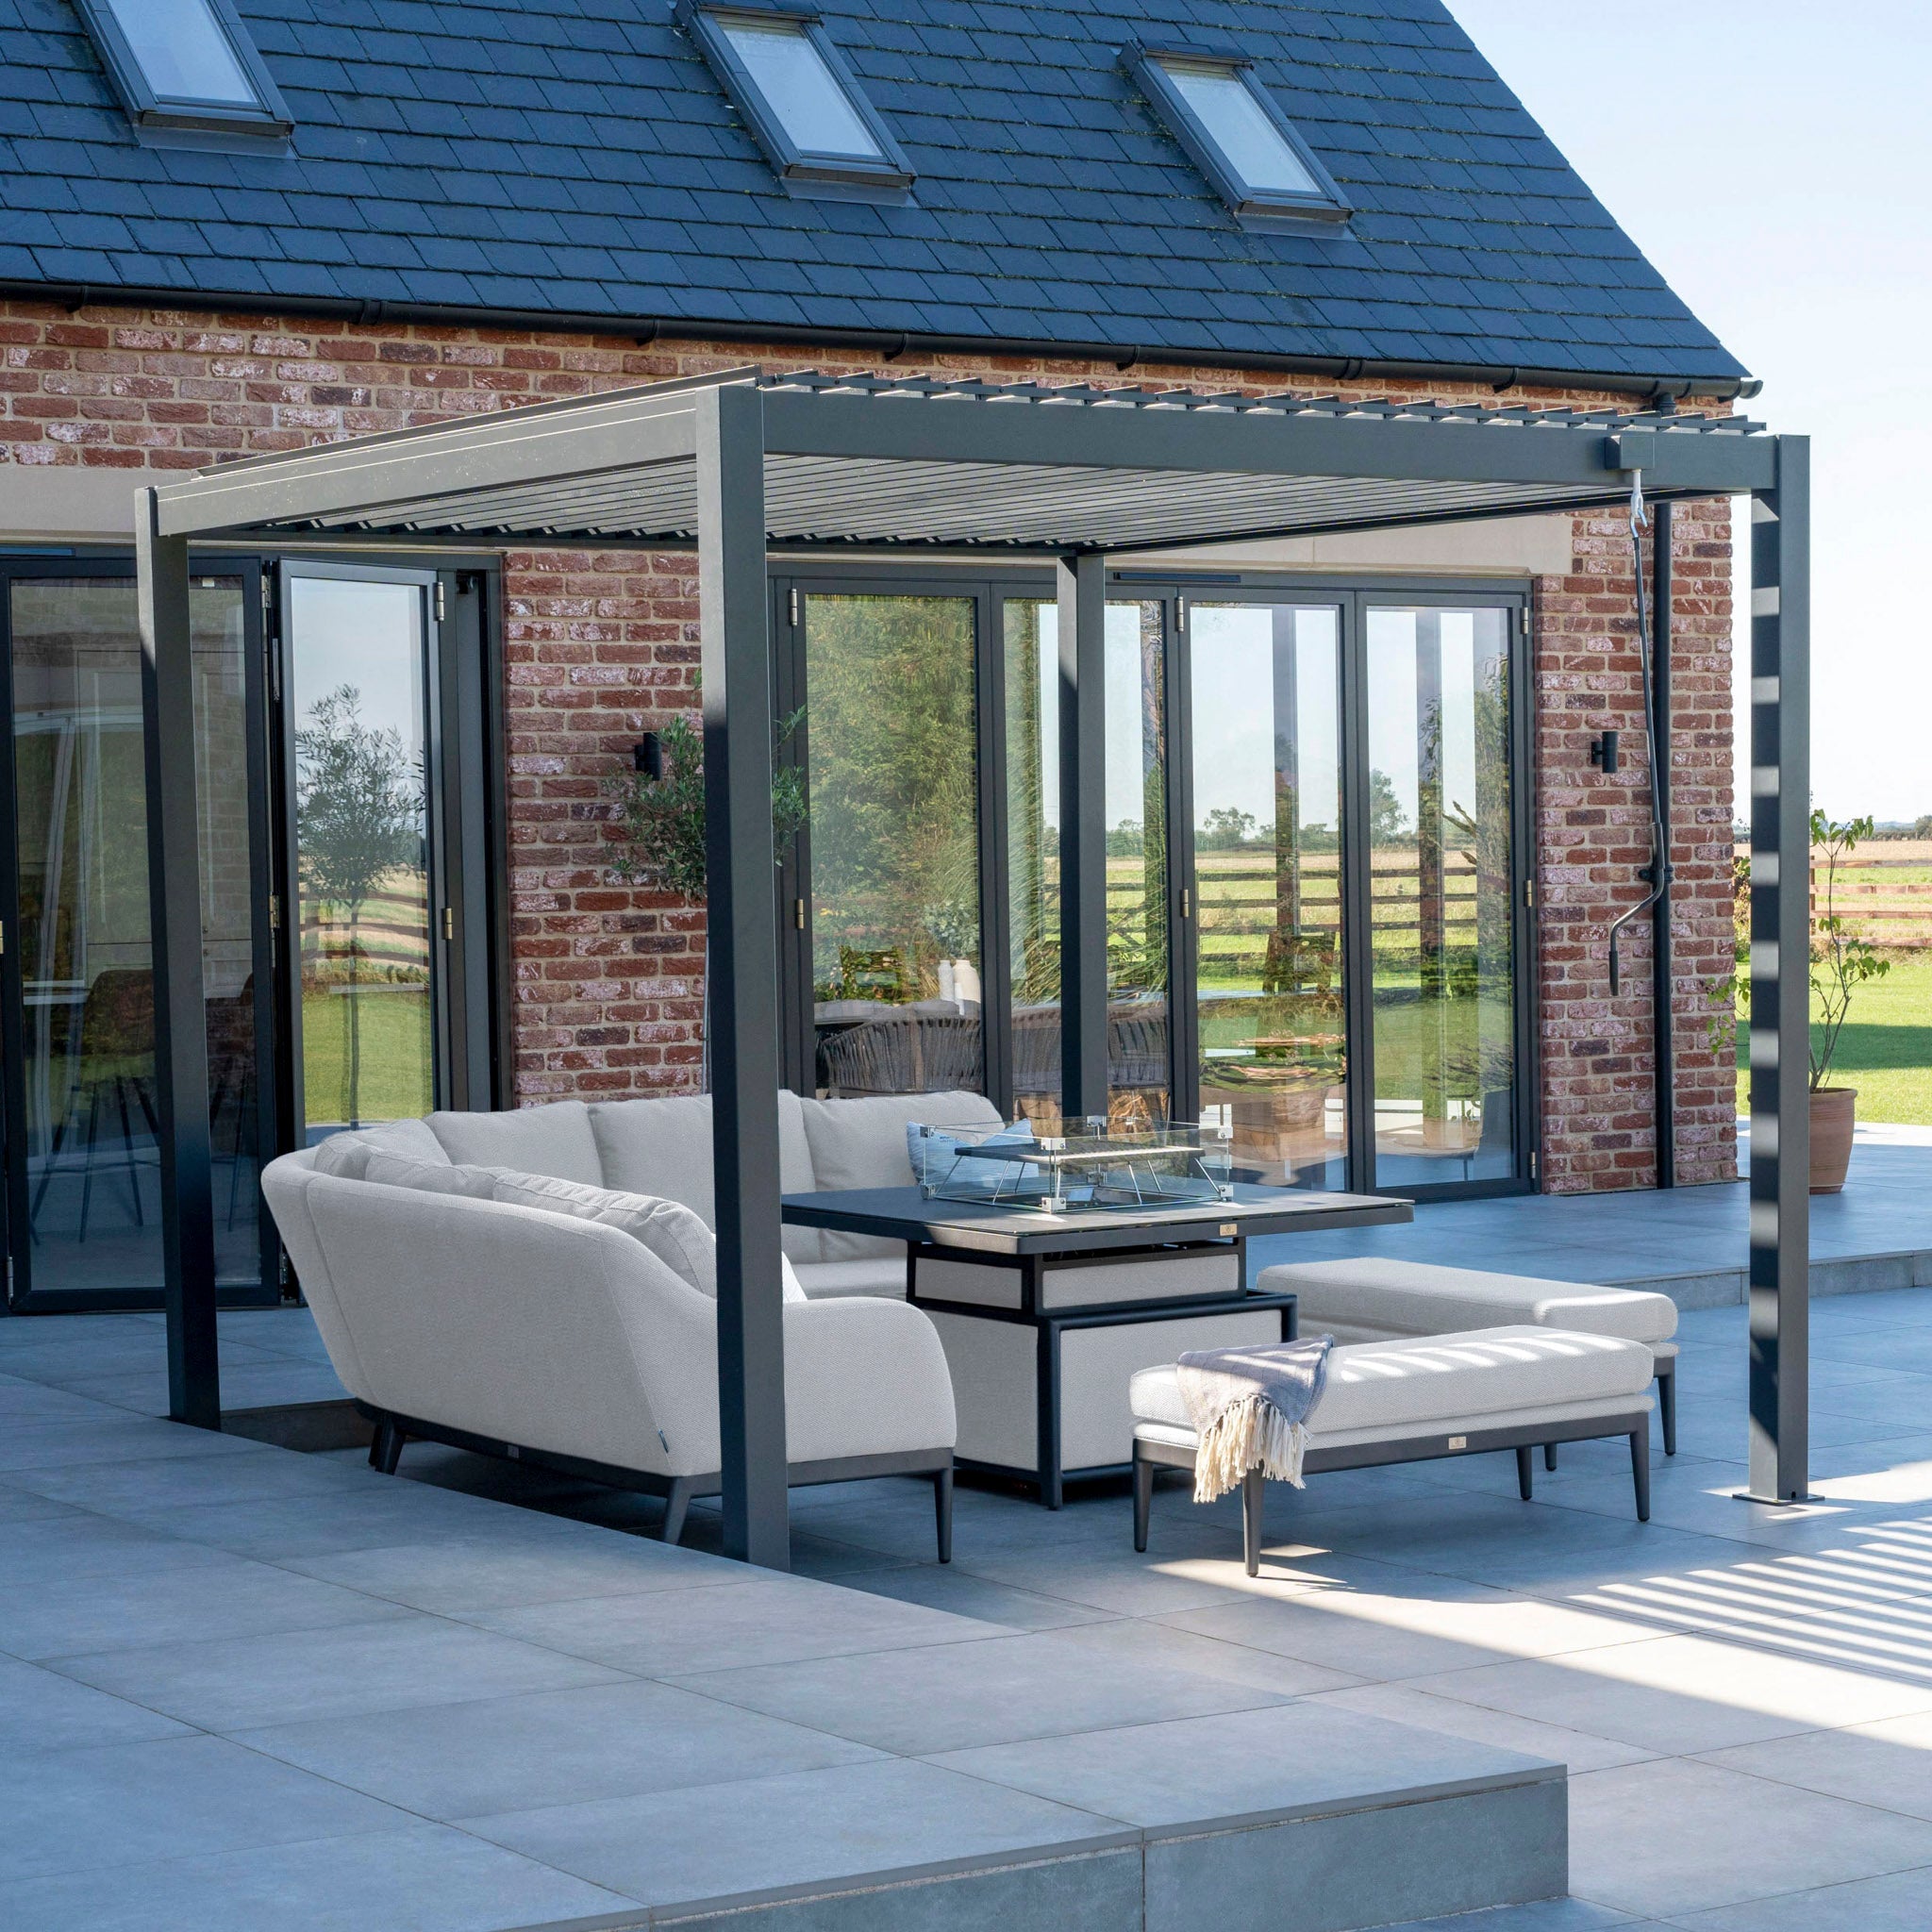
1773 158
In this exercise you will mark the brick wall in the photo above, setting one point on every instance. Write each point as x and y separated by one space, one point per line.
602 645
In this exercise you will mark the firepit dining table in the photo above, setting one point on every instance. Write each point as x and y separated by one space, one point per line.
1045 1316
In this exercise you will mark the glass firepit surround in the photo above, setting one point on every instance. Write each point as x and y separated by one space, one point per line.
1085 1170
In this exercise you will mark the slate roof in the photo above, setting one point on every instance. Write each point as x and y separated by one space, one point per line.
576 158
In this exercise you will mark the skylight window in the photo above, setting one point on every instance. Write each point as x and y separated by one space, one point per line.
186 67
1248 149
802 101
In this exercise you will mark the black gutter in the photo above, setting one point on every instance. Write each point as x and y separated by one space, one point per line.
886 343
1663 591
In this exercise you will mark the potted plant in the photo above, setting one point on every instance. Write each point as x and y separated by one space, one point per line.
1841 962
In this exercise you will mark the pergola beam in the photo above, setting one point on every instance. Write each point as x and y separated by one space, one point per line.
1082 587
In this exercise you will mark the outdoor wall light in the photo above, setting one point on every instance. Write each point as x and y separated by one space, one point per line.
1603 751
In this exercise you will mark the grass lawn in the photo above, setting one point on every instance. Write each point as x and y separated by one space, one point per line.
395 1060
1885 1050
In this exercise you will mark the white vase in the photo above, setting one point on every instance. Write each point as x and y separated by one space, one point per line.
946 980
966 982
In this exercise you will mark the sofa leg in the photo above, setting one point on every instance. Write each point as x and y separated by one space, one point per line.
1639 1469
1667 1405
1143 1499
942 1510
676 1501
1549 1456
1525 1466
1251 1521
386 1450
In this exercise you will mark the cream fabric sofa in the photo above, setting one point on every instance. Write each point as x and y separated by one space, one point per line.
1412 1401
522 1332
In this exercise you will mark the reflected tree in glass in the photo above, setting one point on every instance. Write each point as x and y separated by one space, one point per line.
358 802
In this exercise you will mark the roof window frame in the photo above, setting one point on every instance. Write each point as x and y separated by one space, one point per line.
886 176
1324 210
169 120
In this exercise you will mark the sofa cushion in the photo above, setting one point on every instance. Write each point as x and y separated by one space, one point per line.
664 1147
1377 1293
554 1139
346 1156
1405 1386
861 1143
883 1274
429 1178
668 1229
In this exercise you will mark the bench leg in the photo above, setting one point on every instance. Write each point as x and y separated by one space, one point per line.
1549 1456
1251 1521
1639 1469
1526 1481
1667 1404
386 1450
942 1510
676 1501
1143 1499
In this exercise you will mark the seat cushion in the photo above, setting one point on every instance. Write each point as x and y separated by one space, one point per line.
1490 1372
884 1275
861 1143
346 1155
664 1147
1378 1295
431 1177
554 1139
668 1229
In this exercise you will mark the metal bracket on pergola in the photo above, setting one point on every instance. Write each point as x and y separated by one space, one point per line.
733 463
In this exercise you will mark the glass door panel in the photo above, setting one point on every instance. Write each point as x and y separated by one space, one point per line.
358 710
893 775
1033 851
86 1024
1137 865
1441 897
1265 720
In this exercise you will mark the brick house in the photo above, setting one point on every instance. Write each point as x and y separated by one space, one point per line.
289 229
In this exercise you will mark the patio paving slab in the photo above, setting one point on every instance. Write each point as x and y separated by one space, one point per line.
1403 1704
39 1709
1893 1903
1888 1764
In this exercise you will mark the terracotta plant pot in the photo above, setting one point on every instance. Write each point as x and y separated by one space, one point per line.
1834 1113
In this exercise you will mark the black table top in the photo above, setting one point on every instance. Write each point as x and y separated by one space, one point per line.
904 1214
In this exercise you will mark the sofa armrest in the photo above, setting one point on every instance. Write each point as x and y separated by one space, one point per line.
864 1378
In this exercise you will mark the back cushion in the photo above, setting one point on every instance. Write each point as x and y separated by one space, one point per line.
861 1143
551 1139
429 1178
346 1155
664 1147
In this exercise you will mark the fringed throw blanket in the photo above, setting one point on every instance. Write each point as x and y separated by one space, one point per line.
1250 1408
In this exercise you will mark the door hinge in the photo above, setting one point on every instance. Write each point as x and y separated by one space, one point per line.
794 602
1523 617
1532 1167
798 914
442 602
268 591
3 935
1529 892
1180 613
274 912
449 922
1187 902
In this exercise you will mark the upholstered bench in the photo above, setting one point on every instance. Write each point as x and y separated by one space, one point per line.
1376 1299
1435 1396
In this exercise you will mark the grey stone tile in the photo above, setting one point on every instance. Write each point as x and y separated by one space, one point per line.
60 1355
1183 1574
1683 1694
1297 1761
252 1384
770 1619
1362 1867
137 1485
126 1804
406 1661
25 1505
726 1841
1887 1764
1403 1704
427 1879
39 1709
1133 1641
28 1447
552 1747
218 1597
1896 1902
488 1571
949 1588
1546 1915
952 1696
74 1544
1711 1838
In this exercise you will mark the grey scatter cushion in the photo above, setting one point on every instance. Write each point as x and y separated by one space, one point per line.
670 1230
425 1176
348 1154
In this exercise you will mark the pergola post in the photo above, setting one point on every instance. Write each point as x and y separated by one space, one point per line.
1780 978
741 946
1082 582
173 874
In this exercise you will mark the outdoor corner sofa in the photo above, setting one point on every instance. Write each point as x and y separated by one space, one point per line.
533 1334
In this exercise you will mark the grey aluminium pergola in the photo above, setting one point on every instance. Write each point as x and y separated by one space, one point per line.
735 463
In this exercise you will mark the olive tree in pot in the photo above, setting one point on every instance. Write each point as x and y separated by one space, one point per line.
1841 961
